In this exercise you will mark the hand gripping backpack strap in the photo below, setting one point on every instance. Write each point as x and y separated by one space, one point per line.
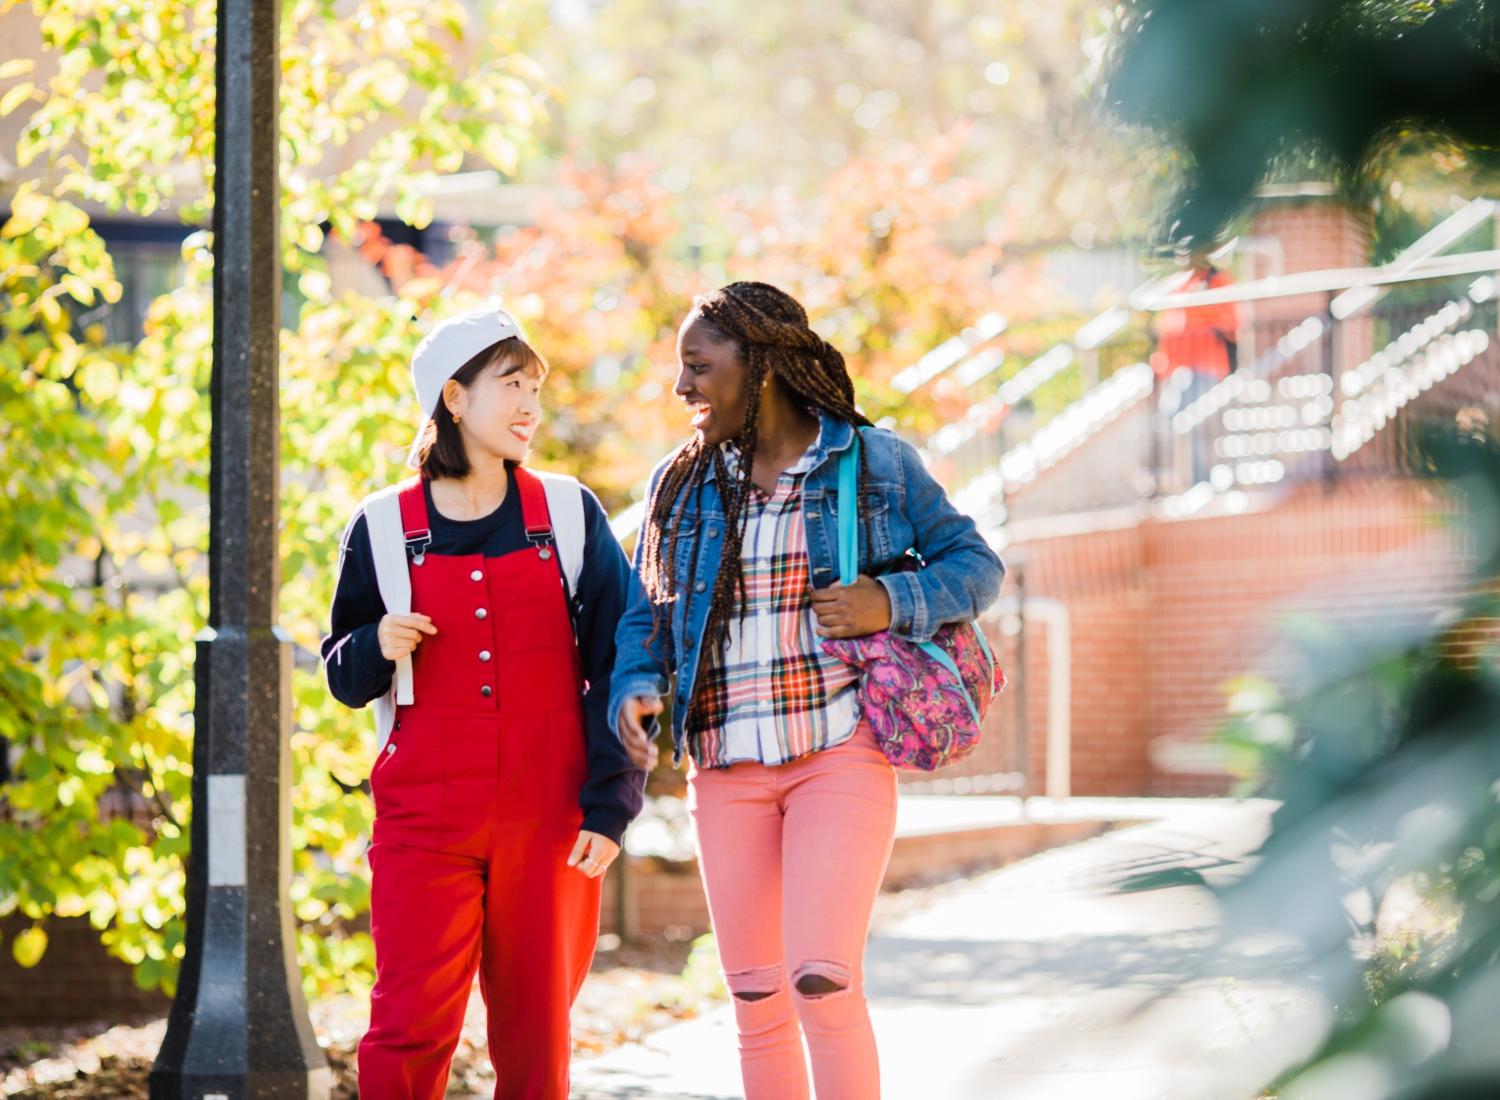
390 541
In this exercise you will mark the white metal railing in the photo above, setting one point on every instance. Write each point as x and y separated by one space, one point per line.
1066 432
1249 450
1030 378
1361 287
950 353
1376 390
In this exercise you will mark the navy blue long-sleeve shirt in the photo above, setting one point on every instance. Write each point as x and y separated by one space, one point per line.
358 673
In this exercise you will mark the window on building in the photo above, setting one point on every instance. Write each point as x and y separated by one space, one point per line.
148 263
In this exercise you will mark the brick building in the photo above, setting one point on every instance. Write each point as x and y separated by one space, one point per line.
1167 591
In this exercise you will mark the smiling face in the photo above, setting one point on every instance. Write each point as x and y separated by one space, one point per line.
498 411
711 380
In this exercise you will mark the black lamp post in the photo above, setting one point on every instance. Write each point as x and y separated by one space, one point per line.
239 1025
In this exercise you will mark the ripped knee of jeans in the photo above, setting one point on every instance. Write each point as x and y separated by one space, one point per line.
821 979
754 984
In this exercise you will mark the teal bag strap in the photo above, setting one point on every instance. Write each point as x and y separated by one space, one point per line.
849 513
940 655
849 564
984 644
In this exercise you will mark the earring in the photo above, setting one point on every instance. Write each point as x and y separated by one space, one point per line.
455 418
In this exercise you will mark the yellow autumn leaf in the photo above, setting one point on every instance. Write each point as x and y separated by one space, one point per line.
27 209
78 288
30 946
500 150
16 96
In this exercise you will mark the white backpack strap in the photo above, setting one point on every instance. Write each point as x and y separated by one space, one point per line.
565 507
385 718
388 547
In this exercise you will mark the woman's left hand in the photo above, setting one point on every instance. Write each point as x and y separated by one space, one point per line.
854 610
593 854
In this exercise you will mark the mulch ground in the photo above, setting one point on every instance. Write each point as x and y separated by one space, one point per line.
633 990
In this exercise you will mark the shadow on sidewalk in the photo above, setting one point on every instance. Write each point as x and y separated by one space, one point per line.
901 972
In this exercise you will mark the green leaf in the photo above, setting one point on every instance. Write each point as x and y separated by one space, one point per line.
35 766
149 973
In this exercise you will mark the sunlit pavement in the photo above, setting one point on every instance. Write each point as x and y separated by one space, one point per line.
1042 980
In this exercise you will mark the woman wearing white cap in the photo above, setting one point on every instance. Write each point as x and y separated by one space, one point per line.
464 612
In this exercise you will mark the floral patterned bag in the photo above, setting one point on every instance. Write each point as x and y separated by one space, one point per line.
924 701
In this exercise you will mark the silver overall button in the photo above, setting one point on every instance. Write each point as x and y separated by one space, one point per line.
481 613
484 655
477 575
486 691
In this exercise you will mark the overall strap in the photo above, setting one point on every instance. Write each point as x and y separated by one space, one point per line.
534 513
415 526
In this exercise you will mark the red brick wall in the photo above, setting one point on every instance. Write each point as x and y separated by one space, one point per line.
1100 579
922 860
1278 560
76 980
668 897
1110 692
1164 613
999 756
660 897
1314 233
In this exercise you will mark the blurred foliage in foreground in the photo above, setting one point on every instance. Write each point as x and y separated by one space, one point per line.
1384 858
1341 88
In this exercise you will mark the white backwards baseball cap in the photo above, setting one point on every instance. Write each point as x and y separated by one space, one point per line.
450 345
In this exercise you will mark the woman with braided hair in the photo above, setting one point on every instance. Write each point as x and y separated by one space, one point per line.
793 802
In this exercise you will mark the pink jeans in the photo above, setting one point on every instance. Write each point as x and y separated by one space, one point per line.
792 858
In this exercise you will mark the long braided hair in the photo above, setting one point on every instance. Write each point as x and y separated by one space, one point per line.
770 329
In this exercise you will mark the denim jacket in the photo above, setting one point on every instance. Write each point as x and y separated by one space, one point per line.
907 509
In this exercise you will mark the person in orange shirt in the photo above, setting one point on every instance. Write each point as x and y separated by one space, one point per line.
1196 349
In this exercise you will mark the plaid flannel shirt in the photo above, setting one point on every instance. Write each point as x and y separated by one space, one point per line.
772 694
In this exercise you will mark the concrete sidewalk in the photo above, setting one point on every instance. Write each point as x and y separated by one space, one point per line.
1042 980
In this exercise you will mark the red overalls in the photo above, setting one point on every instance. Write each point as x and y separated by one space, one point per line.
476 810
